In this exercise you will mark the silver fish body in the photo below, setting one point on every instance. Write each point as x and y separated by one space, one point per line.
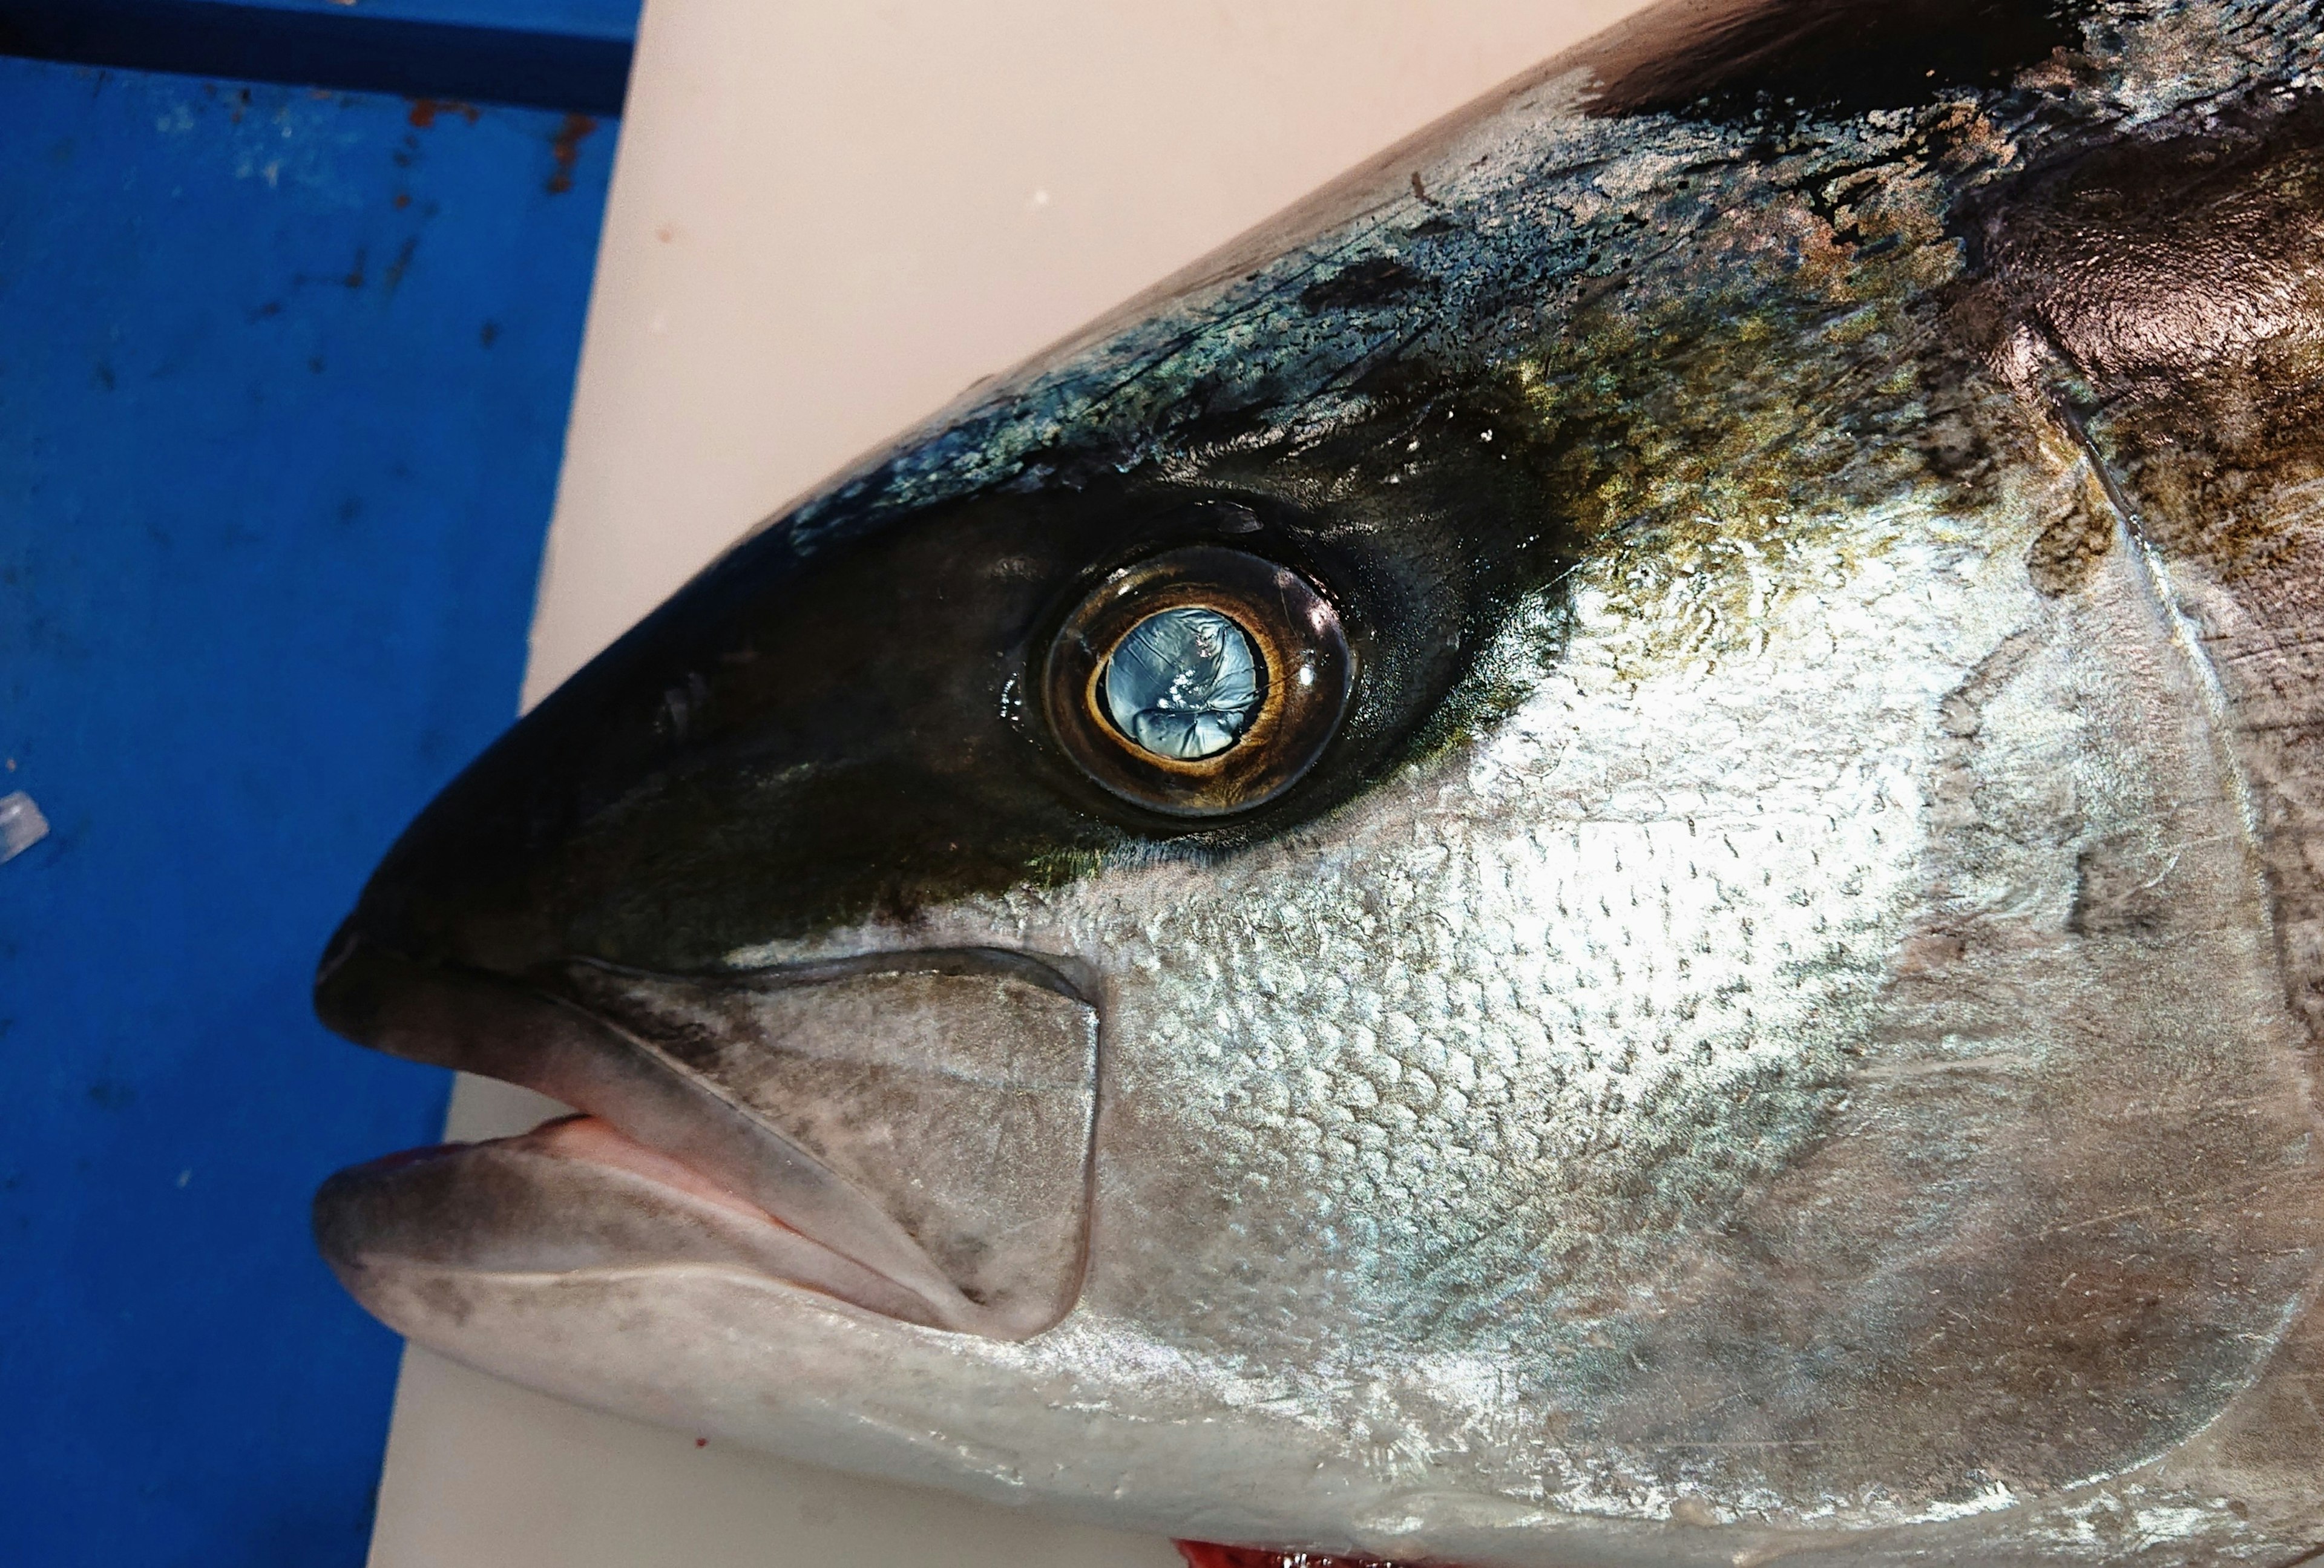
1742 980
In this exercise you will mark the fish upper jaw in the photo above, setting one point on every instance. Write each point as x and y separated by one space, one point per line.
909 1132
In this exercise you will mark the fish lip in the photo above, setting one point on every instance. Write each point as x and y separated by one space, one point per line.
525 1030
371 1223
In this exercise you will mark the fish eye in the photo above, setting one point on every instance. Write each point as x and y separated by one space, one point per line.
1184 683
1199 682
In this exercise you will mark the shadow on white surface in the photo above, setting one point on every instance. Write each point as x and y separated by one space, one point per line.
503 1476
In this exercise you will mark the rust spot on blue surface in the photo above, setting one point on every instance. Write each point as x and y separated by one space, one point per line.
425 110
565 146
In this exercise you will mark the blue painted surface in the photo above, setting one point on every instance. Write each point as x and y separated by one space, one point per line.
283 378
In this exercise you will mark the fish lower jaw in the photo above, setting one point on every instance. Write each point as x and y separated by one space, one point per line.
574 1195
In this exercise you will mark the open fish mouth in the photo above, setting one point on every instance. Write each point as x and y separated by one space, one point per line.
906 1131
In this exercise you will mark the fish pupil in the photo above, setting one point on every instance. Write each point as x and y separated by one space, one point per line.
1184 683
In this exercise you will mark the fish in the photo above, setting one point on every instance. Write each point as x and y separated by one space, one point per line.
1605 852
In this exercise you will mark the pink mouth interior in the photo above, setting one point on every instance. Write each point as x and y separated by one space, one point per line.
598 1141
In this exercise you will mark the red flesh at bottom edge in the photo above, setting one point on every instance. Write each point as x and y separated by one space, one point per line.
1206 1554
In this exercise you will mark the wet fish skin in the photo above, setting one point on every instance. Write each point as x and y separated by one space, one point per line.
1783 1020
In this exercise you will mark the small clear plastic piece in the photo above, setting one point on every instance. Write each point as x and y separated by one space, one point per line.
22 825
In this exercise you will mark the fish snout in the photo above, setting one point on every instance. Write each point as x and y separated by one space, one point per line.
907 1131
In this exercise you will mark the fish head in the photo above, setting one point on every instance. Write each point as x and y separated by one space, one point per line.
1558 855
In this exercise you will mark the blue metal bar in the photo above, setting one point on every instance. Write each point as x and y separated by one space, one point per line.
580 18
565 54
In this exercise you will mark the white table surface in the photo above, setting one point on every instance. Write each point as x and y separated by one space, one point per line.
828 219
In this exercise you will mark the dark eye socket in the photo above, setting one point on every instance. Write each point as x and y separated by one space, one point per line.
1199 682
